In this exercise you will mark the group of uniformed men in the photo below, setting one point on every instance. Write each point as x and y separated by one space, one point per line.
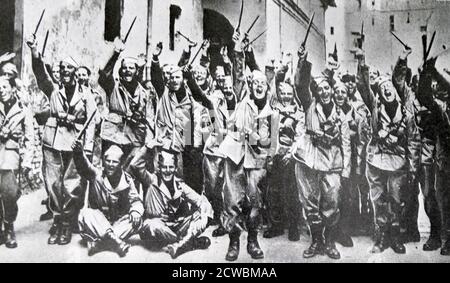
229 145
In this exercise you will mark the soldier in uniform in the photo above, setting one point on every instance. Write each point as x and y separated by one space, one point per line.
70 106
391 155
355 204
129 122
323 157
282 200
16 137
220 99
114 209
175 215
250 141
435 83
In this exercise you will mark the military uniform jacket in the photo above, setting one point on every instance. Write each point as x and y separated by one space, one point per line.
116 128
359 120
16 137
325 146
175 121
221 116
252 134
395 143
60 137
113 202
159 202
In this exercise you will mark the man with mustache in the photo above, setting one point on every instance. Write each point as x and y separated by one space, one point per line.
323 158
114 209
16 137
175 215
251 139
130 121
391 155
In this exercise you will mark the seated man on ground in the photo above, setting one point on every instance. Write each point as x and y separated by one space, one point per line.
175 215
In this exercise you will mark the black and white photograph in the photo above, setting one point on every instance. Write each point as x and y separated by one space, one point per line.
225 131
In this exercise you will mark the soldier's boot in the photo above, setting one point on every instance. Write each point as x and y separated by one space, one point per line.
94 247
273 232
186 245
434 242
341 237
253 247
66 234
234 246
396 242
219 232
201 243
381 241
118 246
330 246
47 215
293 232
445 250
55 231
317 245
10 236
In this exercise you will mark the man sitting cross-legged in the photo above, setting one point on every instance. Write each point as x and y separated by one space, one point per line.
175 215
114 210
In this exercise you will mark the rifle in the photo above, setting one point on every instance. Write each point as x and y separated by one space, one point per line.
399 40
240 16
45 44
308 30
86 125
256 38
424 45
39 23
185 37
198 52
129 30
362 37
251 26
431 45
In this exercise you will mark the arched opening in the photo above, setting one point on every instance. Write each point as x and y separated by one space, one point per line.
218 29
11 29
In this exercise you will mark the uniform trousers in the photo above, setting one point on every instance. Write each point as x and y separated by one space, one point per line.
9 195
319 195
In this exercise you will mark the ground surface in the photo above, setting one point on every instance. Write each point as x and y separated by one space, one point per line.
32 238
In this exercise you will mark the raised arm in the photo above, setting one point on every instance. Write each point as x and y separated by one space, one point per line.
138 167
363 81
43 78
156 72
250 59
106 75
302 80
197 93
399 76
84 167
